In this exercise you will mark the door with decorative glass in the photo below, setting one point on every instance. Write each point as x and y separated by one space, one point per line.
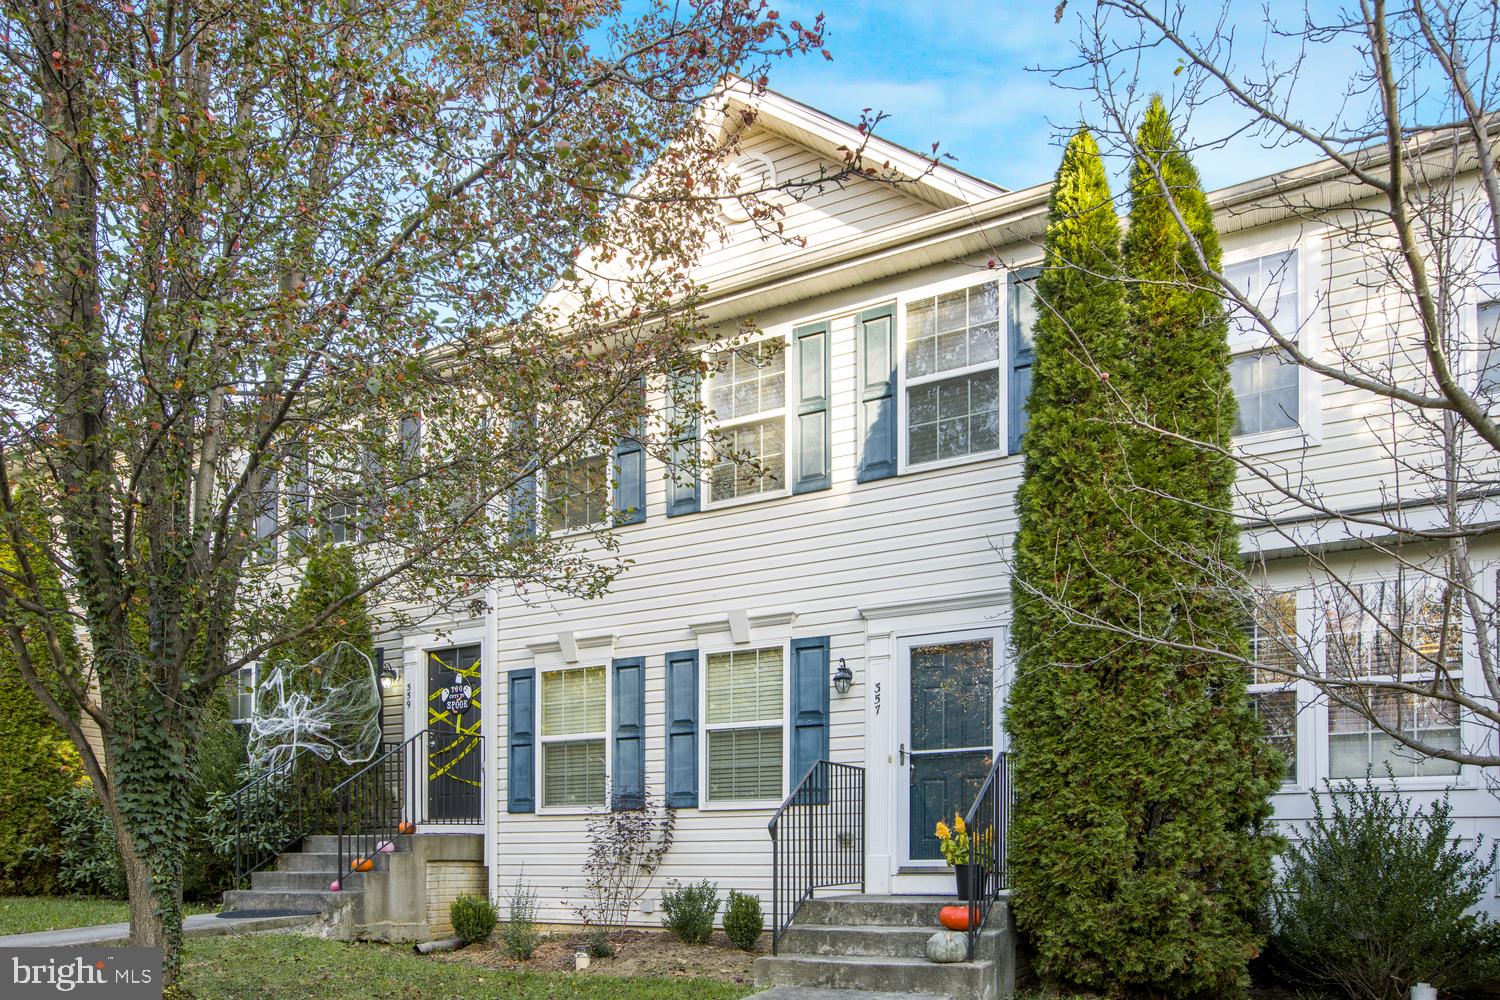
455 753
949 733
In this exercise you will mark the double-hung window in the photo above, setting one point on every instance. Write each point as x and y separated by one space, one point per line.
573 735
1489 350
577 494
747 429
1273 693
952 374
1392 631
744 721
1265 379
242 695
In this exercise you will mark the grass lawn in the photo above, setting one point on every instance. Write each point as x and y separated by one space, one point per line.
25 914
290 966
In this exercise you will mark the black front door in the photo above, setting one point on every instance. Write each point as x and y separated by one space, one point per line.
952 735
455 754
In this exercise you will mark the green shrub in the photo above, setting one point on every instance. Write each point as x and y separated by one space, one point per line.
743 921
87 860
473 918
599 943
518 934
689 910
207 871
1376 897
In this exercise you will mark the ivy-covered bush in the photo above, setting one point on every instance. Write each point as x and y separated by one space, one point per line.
473 918
743 921
689 910
1377 896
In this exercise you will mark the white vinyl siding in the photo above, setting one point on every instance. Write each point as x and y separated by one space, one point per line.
1265 379
1391 630
743 699
747 433
951 362
574 727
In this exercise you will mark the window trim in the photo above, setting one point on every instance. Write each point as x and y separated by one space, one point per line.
1294 687
711 422
1308 429
539 778
254 668
705 801
593 527
1001 367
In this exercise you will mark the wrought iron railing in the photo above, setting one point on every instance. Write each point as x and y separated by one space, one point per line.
986 823
433 777
817 840
276 809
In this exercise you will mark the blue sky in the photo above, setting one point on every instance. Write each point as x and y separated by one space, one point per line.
959 72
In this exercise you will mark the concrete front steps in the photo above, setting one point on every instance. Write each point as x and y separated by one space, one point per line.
878 944
299 881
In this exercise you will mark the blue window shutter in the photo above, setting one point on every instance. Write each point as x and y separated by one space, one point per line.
630 482
809 704
299 503
812 470
875 330
266 522
682 729
1021 314
629 782
682 470
521 709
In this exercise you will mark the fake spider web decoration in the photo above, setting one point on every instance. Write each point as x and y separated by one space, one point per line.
328 706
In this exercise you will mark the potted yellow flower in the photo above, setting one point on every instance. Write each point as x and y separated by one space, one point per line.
958 851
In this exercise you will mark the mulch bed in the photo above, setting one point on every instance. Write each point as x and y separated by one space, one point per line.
637 953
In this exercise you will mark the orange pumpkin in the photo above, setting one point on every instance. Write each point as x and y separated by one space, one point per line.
361 865
955 918
406 826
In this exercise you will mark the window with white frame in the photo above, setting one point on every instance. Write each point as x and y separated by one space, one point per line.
747 424
1489 349
1392 631
577 493
743 720
573 735
952 374
1265 379
1273 638
242 695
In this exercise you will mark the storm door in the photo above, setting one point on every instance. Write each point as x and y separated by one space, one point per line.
949 736
455 753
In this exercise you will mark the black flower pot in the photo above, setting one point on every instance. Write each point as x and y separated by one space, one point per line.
969 876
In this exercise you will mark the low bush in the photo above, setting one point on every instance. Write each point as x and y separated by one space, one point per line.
689 910
1376 897
599 944
518 934
743 921
86 858
473 918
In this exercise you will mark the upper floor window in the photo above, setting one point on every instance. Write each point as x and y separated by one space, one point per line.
1385 631
744 724
1273 694
573 736
242 695
747 425
577 494
1265 379
1489 349
952 374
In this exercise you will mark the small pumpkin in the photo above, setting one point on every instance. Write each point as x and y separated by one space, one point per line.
955 918
361 865
406 827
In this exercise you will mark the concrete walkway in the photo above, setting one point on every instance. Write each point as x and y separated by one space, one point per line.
785 992
103 935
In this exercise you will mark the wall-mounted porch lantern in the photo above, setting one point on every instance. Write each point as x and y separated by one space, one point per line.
387 675
843 677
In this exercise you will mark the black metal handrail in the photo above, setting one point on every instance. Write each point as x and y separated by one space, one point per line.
817 840
985 824
404 788
275 810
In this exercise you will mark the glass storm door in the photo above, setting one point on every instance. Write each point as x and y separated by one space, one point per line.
455 754
950 743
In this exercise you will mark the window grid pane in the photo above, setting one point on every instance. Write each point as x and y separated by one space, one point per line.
1277 711
1273 638
573 773
953 330
578 493
573 701
1265 386
747 459
744 764
954 417
745 686
753 380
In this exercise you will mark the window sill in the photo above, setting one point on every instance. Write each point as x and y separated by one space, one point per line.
747 805
713 505
1412 784
570 810
948 463
1285 439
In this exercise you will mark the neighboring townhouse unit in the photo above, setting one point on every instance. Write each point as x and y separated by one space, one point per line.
848 596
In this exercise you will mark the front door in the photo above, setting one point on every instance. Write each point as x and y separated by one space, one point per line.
950 735
455 754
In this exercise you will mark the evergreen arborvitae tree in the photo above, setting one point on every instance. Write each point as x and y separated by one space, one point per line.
1142 785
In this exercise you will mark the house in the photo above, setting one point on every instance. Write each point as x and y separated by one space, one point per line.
824 603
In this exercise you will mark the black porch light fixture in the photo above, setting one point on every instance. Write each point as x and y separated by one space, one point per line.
843 677
387 676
